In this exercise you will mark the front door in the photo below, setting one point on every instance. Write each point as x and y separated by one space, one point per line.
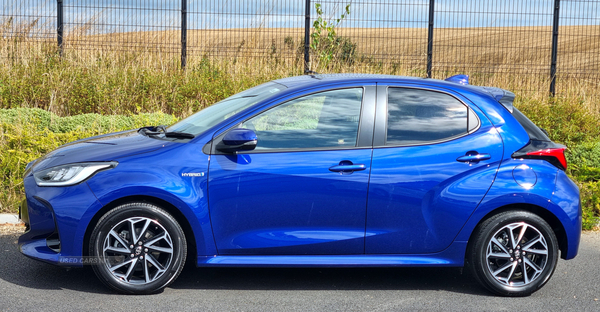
303 190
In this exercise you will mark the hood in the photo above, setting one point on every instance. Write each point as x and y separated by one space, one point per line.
106 147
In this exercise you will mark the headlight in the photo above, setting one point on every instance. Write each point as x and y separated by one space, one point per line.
70 174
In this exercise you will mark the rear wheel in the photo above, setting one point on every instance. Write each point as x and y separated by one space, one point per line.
140 247
513 253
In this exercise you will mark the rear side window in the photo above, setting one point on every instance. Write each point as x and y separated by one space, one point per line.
420 117
535 133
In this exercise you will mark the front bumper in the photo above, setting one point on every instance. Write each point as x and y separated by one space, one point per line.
24 214
56 219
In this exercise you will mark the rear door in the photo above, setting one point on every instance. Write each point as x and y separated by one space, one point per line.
303 190
434 159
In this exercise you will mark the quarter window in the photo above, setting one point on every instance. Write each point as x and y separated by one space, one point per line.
420 117
322 120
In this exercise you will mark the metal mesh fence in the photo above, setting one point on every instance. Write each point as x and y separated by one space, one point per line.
31 19
579 38
578 66
140 25
493 39
497 42
26 26
240 28
394 32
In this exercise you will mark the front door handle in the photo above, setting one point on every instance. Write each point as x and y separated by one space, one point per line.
473 157
347 167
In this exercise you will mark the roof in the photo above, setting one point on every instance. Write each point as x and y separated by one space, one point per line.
315 79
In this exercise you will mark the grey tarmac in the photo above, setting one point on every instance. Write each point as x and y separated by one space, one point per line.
27 285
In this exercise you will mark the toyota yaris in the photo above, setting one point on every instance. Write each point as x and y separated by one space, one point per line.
322 170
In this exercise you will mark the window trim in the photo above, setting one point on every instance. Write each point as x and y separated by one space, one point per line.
382 113
365 128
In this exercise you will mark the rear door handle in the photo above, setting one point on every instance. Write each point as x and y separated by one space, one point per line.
347 168
473 157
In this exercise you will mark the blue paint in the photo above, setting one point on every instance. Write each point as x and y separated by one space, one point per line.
525 176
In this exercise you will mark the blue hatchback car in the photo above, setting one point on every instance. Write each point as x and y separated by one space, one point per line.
322 170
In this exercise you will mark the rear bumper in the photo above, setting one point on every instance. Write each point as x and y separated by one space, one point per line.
566 199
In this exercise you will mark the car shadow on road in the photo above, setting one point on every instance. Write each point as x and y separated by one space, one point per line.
443 279
17 269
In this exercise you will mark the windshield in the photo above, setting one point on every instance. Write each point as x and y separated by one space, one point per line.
216 113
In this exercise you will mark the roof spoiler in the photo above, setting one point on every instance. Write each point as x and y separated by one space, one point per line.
460 79
505 97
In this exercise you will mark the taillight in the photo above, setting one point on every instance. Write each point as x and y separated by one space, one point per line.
545 150
558 153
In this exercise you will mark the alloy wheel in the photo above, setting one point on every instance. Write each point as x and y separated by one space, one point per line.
138 250
517 254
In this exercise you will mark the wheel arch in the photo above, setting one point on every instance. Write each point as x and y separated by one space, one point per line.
543 213
170 208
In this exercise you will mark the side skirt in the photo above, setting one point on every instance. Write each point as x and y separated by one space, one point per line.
453 256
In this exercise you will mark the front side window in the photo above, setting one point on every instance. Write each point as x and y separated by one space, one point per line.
420 117
321 120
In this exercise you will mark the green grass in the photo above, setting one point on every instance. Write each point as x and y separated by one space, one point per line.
26 134
567 120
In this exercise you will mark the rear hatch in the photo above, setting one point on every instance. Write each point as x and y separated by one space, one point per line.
540 146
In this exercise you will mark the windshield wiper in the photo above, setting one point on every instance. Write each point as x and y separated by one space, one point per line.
163 130
179 135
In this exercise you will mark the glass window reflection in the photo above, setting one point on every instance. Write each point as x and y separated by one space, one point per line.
420 116
322 120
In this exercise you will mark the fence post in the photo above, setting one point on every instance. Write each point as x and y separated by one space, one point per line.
307 38
430 38
183 33
59 25
554 47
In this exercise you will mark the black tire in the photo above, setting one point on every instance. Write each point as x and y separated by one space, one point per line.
500 268
143 263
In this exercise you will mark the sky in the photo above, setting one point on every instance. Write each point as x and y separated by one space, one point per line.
137 15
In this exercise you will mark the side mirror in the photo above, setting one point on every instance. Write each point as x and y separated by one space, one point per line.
238 140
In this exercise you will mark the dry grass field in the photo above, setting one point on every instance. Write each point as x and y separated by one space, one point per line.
513 57
579 46
526 49
516 58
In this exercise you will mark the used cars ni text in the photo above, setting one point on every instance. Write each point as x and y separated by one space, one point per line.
321 170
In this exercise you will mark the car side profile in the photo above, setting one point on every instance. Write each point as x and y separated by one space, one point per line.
321 170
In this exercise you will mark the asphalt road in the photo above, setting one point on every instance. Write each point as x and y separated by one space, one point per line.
30 285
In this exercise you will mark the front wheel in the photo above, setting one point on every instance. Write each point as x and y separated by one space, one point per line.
513 253
140 247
